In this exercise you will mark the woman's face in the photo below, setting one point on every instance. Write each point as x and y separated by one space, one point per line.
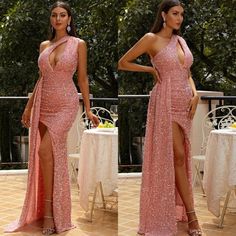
59 18
174 17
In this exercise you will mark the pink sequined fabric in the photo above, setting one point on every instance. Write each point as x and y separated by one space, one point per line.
160 204
56 104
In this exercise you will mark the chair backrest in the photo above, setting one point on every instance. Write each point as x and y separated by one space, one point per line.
102 113
218 118
84 123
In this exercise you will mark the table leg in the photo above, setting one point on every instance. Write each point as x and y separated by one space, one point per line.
98 185
224 209
197 174
93 203
103 198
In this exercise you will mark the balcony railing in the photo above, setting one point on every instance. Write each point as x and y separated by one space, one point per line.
132 122
14 137
229 100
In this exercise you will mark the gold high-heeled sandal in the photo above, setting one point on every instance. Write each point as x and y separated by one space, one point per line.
50 230
193 232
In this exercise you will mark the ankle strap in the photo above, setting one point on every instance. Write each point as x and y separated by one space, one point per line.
192 221
189 212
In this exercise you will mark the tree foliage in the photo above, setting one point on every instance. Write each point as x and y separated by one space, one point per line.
24 24
112 25
135 20
97 24
210 32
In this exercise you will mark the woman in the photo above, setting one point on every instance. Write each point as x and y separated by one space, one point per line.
50 112
166 192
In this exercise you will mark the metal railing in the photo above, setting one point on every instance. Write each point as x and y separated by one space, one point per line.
131 137
14 137
223 100
132 124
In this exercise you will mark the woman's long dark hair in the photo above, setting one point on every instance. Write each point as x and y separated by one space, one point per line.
164 6
66 6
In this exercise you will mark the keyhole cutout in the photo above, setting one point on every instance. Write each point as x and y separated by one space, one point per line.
56 54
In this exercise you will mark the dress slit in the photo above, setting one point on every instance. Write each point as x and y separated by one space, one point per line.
58 139
180 208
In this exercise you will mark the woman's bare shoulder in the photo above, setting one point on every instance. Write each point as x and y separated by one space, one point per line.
150 36
81 46
44 45
76 39
81 42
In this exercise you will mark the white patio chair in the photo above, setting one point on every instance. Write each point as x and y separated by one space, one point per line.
84 123
218 118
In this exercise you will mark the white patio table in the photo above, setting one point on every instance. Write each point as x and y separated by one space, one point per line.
220 167
98 163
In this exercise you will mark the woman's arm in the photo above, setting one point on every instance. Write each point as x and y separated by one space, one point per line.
25 119
141 47
192 84
83 80
194 101
29 104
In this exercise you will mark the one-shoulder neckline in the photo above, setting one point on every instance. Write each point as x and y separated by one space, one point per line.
64 37
166 46
55 43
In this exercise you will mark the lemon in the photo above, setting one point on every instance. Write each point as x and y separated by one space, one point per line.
233 125
101 125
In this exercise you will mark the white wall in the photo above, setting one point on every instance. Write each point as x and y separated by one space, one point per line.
73 138
202 109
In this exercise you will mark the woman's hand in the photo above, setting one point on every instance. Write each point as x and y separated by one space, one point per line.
93 118
193 106
25 119
155 74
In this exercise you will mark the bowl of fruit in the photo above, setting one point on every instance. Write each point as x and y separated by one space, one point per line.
106 126
233 127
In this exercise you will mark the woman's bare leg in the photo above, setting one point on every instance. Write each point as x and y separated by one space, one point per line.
46 163
181 173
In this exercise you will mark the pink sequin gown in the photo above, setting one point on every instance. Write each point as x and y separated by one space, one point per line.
161 205
56 104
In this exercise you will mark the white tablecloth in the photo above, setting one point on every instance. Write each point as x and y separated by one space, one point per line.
98 162
220 167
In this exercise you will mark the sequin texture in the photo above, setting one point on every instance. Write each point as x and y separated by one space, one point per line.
56 104
160 203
